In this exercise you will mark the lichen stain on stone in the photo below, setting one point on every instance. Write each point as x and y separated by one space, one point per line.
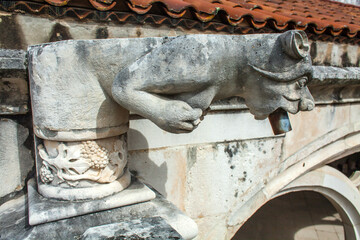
59 33
102 33
11 37
228 151
232 149
244 145
82 50
191 156
345 61
327 61
313 51
332 114
243 179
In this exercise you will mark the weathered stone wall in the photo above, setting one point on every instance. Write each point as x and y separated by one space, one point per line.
16 161
322 120
207 180
335 54
15 156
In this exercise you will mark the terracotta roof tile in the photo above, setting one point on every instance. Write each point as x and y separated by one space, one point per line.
316 16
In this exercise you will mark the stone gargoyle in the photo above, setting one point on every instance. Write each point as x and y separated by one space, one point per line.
174 84
79 86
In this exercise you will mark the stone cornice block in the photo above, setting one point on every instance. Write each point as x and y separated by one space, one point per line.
42 210
11 59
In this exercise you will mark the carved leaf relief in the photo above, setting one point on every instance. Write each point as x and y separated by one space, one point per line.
88 160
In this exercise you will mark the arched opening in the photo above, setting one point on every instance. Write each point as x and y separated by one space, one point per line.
348 165
297 169
296 215
338 190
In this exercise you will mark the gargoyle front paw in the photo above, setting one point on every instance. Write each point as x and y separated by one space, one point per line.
179 117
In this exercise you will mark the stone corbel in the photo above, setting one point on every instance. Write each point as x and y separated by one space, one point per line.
82 91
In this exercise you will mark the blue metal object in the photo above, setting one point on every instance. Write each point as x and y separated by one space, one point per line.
280 121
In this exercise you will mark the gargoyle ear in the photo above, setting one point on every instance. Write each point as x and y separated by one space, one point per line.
295 44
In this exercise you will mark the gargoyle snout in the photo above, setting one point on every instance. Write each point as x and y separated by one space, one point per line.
306 104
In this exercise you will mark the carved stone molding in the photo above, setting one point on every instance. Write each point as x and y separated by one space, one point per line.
82 170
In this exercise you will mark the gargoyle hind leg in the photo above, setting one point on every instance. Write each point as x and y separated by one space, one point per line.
171 115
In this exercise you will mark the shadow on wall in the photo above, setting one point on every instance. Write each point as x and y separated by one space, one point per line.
347 165
25 137
299 216
16 156
150 170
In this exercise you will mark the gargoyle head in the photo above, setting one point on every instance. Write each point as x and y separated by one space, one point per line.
279 78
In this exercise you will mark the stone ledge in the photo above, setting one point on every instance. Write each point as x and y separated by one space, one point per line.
143 228
11 59
14 220
42 210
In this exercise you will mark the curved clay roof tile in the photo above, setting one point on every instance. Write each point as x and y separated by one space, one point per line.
320 15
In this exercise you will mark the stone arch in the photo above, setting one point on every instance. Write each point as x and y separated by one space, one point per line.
338 189
327 148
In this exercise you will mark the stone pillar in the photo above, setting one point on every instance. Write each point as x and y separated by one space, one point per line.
80 131
81 152
81 147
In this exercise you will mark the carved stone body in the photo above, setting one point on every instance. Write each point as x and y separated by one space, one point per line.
170 81
176 82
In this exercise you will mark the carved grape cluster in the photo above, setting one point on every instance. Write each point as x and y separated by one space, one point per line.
98 156
45 174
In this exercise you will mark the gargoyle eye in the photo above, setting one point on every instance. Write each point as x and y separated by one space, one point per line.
301 83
